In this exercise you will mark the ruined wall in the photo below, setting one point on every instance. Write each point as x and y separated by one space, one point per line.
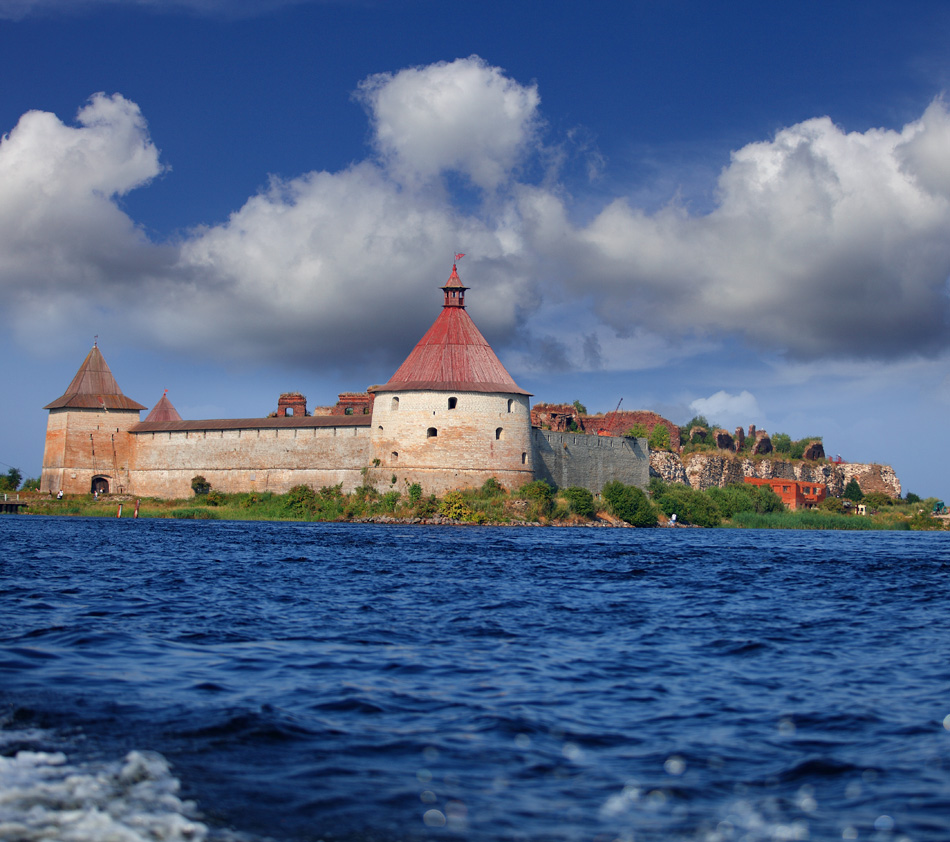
446 441
82 444
706 470
566 459
235 460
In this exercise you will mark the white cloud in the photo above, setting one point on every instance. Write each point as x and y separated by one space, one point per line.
729 410
823 244
463 116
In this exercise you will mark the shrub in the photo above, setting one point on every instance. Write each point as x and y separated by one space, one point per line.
629 503
200 485
877 500
301 501
453 506
638 431
781 443
414 493
912 498
492 488
214 498
579 500
389 499
689 506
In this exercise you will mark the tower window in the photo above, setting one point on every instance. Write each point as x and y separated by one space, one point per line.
499 432
395 405
431 433
395 456
453 402
510 402
524 458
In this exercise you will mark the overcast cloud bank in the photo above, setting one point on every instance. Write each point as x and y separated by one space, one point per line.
823 245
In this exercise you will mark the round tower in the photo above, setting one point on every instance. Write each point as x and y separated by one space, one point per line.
452 416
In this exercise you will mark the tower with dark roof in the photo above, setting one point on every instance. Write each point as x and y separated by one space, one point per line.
87 440
452 416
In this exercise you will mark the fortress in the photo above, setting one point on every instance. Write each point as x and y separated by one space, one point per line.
450 417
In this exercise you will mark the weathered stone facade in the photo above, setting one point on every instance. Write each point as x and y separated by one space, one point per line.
566 459
445 440
706 470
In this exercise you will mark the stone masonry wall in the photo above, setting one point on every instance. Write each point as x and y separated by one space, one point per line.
236 460
446 440
566 459
82 444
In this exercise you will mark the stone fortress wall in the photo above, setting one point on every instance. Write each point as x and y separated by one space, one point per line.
248 459
416 435
566 459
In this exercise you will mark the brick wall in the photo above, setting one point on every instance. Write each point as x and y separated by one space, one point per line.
87 444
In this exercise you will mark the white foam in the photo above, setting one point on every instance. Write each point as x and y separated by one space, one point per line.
43 798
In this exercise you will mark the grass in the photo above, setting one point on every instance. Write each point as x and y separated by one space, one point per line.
490 504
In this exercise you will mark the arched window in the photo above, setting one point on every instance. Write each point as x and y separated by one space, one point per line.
288 410
453 402
431 433
395 405
510 402
395 456
524 458
499 432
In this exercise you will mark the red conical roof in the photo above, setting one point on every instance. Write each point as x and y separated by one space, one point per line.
453 356
93 387
163 411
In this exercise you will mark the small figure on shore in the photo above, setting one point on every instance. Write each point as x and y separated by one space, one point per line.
673 519
59 496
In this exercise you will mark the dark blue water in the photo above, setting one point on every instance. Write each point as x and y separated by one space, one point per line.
182 680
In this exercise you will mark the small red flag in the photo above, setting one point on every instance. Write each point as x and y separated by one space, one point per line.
458 257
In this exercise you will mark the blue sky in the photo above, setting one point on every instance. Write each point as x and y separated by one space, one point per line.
735 209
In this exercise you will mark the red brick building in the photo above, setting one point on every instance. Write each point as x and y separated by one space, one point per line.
794 493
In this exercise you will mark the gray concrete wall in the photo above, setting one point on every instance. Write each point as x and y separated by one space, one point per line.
566 459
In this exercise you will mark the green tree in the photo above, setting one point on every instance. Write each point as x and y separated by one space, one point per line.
629 503
660 438
32 484
852 491
912 498
638 431
782 443
581 409
11 480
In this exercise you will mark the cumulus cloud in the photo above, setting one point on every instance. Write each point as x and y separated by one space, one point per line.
463 116
64 242
822 244
729 410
